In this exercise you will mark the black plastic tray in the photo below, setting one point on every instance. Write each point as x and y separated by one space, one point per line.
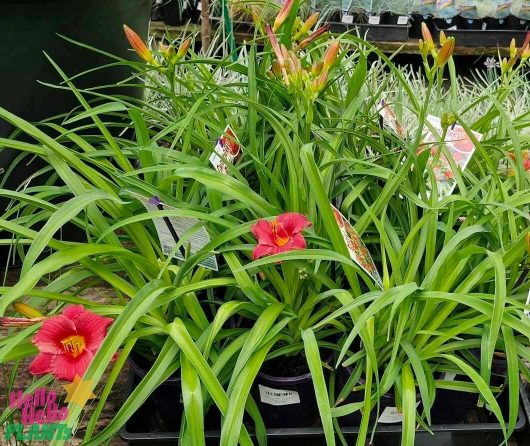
485 38
378 33
483 434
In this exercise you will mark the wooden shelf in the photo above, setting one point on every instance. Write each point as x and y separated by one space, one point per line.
159 29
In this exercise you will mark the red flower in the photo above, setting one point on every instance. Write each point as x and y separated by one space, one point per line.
67 342
279 235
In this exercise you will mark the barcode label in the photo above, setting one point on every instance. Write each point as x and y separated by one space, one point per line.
278 397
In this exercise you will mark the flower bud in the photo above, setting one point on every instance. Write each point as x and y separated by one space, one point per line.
26 310
315 35
427 36
183 49
308 24
445 52
283 14
331 55
316 68
513 49
139 46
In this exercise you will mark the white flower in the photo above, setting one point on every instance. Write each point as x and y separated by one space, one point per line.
491 63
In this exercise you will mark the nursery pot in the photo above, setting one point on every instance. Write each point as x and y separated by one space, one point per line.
471 23
451 406
388 412
166 400
286 401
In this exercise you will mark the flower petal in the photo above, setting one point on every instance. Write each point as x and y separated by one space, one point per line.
263 232
93 328
73 311
67 367
53 330
41 364
262 250
293 223
297 242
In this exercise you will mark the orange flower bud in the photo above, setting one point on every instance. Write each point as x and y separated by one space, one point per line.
308 24
331 55
446 52
139 46
168 51
26 310
315 35
20 321
183 49
283 14
275 46
427 36
525 53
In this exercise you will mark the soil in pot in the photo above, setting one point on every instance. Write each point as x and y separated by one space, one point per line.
284 393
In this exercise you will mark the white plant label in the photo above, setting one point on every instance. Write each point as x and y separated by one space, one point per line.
347 18
449 376
374 20
227 149
392 415
403 20
277 397
171 229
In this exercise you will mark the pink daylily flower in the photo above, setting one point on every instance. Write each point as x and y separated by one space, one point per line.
279 235
67 342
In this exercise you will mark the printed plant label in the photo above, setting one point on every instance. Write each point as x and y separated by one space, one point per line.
171 229
227 148
449 376
358 251
403 20
347 18
390 118
459 145
276 397
390 415
374 20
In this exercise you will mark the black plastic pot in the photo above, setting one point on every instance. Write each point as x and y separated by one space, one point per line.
471 24
484 38
166 400
379 33
451 406
415 25
286 401
484 430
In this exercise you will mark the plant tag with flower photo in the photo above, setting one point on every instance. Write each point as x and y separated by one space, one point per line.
227 148
390 118
459 145
358 251
278 397
171 229
347 18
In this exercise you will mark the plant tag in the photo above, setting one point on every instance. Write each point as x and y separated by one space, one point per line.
390 415
459 145
527 312
403 20
347 18
374 20
199 6
171 229
390 118
358 251
227 148
276 397
449 376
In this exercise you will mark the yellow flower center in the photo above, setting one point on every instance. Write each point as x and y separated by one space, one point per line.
278 240
74 345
